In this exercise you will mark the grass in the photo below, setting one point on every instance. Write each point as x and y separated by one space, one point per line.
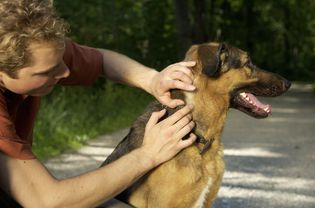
72 115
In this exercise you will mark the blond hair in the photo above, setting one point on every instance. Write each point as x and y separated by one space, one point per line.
23 22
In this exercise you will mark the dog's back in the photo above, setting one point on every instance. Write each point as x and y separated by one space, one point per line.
135 136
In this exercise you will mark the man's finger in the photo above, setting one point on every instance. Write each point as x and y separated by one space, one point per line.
155 117
185 130
187 63
187 142
184 69
176 84
178 75
172 103
182 122
178 115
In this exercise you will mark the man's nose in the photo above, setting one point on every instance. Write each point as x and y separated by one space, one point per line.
286 84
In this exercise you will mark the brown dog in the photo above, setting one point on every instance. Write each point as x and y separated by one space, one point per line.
225 77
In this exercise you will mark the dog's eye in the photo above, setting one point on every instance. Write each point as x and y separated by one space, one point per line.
248 63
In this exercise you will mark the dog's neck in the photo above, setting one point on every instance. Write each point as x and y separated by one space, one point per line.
209 117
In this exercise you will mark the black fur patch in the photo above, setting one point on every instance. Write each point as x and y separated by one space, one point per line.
210 60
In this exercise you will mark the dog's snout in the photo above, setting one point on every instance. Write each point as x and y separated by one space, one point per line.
287 84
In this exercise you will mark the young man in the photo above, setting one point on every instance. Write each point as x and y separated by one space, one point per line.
34 57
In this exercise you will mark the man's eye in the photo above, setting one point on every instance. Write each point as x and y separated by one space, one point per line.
248 63
46 73
51 71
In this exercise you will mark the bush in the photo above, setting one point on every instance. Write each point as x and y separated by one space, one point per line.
72 115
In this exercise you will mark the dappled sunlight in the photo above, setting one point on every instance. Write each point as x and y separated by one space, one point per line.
75 163
261 181
253 152
287 119
290 99
96 153
284 191
87 158
284 110
244 193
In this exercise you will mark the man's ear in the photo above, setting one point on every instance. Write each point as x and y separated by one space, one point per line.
1 79
211 59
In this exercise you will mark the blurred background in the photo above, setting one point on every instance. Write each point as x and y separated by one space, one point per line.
279 36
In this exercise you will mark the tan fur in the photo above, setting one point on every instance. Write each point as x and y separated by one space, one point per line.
190 175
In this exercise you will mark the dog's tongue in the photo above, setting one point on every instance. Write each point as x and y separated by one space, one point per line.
260 106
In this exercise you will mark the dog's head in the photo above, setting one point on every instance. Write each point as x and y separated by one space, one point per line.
229 73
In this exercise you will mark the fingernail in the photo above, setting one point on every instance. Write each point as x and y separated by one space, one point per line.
191 87
191 106
163 110
180 102
193 136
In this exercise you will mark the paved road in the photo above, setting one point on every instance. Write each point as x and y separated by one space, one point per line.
270 163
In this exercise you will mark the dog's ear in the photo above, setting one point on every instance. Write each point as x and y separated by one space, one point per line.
212 58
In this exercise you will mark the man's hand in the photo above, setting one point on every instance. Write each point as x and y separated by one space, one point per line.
123 69
163 140
175 76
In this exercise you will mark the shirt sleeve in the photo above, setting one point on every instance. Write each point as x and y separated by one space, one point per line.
85 64
10 143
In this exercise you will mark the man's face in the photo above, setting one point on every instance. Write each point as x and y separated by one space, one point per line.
39 79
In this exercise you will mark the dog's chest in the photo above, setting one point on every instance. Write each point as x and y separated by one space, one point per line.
200 175
204 194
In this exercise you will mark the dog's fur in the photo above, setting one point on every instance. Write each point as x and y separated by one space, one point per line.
193 177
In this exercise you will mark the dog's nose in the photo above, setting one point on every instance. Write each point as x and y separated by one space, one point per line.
287 84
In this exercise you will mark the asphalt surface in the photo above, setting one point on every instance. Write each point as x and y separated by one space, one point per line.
270 163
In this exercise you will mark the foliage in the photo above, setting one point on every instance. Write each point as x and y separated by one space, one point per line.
280 35
142 30
70 116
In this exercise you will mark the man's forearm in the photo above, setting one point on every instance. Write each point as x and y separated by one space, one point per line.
107 181
32 186
123 69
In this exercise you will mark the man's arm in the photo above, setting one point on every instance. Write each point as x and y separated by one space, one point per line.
123 69
32 186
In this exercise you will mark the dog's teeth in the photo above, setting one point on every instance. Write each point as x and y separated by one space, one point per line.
247 98
243 94
267 109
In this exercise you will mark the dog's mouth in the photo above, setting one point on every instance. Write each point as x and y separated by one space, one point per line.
248 103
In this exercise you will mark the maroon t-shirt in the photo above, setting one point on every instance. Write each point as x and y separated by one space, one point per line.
18 112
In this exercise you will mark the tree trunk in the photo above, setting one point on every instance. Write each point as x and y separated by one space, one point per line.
200 30
182 24
212 36
249 19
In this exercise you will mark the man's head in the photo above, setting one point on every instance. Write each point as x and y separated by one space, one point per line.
28 29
